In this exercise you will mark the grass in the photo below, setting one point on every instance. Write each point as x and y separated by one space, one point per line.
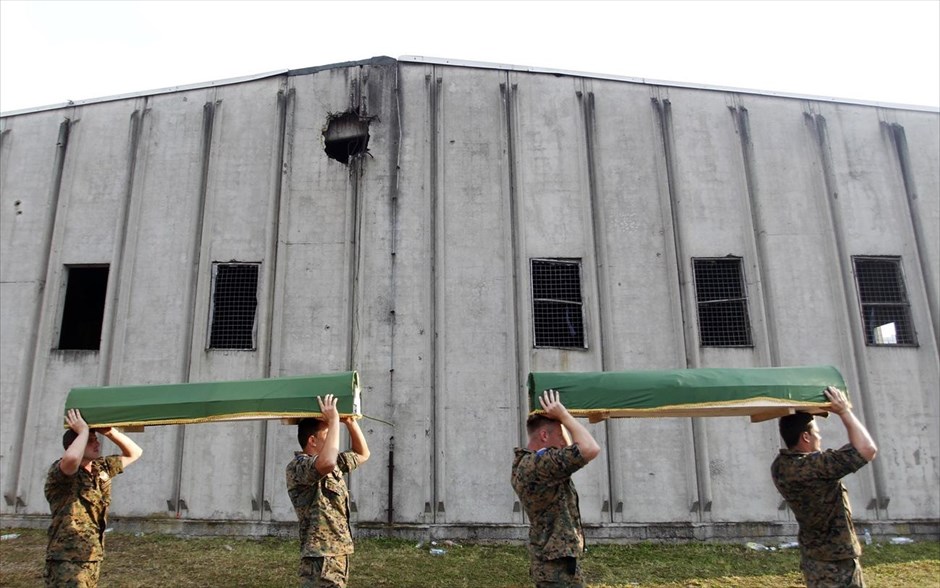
160 560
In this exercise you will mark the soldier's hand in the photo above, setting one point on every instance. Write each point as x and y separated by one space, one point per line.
74 420
328 408
552 405
840 404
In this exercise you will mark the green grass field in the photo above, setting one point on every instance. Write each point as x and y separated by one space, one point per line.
159 560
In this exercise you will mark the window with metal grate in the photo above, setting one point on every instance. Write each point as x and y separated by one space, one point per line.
886 312
557 309
721 298
234 302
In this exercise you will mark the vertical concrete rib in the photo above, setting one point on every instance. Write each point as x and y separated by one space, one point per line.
269 347
354 229
127 264
354 252
904 162
602 290
188 346
516 250
37 317
770 349
437 234
689 338
857 340
393 203
4 141
519 383
118 269
352 258
663 109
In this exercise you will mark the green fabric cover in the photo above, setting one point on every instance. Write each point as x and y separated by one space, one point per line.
766 392
200 402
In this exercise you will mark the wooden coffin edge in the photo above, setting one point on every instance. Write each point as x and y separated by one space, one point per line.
284 418
759 409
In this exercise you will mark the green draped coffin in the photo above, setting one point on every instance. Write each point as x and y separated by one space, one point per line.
290 398
761 393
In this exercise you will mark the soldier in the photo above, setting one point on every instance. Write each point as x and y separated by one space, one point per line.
320 497
541 477
78 488
809 480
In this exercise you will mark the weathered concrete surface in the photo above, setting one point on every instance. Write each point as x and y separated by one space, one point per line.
411 265
770 534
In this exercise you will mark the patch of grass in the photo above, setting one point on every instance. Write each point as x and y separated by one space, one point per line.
161 560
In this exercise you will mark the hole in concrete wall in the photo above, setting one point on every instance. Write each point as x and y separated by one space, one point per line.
346 135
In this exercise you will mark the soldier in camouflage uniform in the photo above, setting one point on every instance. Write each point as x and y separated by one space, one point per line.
320 497
810 481
541 477
78 488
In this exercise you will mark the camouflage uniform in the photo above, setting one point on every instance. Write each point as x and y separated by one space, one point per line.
810 483
322 507
71 574
79 506
542 480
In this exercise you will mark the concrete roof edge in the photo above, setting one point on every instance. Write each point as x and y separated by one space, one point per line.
385 60
377 60
168 90
652 82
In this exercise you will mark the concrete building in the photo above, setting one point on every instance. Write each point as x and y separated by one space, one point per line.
445 228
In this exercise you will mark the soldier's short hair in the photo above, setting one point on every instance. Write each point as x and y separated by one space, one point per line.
536 422
68 437
794 425
308 427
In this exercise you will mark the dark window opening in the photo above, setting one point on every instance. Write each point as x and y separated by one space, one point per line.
234 301
83 313
558 315
721 297
886 312
346 135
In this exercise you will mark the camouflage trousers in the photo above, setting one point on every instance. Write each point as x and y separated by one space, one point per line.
324 572
71 574
843 573
564 572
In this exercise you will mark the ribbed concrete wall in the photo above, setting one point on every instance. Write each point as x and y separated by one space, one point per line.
411 265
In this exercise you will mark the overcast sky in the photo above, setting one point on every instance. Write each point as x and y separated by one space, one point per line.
52 52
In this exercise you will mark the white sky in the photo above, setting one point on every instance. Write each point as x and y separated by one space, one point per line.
51 52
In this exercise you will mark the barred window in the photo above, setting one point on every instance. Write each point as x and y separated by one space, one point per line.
86 290
886 313
558 315
721 296
234 302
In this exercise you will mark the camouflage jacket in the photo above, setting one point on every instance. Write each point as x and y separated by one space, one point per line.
321 504
542 480
810 483
79 506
